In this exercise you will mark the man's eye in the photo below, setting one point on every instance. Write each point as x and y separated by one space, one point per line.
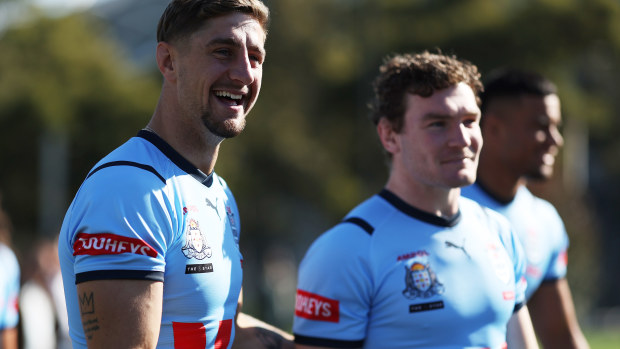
223 52
469 122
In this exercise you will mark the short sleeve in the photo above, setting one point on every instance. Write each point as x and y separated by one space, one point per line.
334 289
559 243
9 288
121 229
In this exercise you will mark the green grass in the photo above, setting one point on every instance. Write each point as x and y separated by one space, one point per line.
603 338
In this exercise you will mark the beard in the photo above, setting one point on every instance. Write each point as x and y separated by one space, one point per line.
228 128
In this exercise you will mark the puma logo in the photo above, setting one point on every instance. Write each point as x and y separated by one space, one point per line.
210 204
462 247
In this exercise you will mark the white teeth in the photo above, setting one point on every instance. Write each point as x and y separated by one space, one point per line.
227 94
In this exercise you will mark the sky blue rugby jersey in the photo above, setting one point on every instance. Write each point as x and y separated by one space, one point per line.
392 276
144 212
539 228
9 288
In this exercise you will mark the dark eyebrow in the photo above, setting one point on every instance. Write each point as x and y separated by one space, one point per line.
234 43
438 116
434 116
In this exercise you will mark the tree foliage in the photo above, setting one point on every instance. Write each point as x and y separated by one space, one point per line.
60 76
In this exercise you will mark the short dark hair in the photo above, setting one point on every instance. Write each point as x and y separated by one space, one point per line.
420 74
512 82
183 17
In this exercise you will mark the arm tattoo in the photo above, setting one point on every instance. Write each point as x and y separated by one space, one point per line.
87 308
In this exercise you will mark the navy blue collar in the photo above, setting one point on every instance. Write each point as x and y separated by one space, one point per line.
417 213
175 157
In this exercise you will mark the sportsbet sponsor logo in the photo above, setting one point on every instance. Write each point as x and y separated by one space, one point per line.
107 243
314 307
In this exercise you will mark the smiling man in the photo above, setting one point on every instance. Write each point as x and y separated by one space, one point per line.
417 266
150 245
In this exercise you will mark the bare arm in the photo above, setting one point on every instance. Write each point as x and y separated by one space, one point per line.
554 318
8 338
121 313
256 334
520 333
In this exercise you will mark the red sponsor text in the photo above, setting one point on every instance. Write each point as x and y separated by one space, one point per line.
107 243
314 307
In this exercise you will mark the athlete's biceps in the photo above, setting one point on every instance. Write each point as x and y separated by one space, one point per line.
120 313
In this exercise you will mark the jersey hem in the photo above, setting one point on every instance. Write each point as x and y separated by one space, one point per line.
119 274
325 342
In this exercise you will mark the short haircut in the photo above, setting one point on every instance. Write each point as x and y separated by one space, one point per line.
184 17
511 82
419 74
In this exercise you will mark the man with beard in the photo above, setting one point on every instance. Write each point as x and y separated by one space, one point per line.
149 247
520 126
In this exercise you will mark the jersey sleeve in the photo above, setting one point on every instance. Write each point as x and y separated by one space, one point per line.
334 290
559 241
121 225
9 289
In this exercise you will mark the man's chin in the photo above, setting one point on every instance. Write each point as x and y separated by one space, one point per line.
542 174
226 129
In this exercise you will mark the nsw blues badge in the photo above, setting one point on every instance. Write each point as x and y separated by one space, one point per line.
195 242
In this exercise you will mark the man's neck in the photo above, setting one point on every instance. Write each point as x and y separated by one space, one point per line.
500 185
196 144
437 201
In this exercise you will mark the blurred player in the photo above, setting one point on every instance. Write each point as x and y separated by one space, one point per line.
520 125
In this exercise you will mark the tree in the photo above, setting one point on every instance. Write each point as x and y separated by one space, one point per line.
61 81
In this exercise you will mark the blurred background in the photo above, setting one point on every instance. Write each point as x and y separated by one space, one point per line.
78 78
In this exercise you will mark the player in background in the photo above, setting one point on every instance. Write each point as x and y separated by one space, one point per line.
9 286
417 265
149 248
521 117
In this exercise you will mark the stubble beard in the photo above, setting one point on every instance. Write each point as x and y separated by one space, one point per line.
225 129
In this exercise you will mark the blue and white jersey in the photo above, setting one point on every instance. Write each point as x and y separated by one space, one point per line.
144 212
539 228
392 276
9 288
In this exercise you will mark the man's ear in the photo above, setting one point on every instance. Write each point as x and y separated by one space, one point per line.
387 135
166 61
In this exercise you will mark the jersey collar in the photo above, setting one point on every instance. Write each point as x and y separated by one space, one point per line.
416 213
175 157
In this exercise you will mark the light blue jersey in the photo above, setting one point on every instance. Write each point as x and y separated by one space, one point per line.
392 276
540 229
9 288
144 212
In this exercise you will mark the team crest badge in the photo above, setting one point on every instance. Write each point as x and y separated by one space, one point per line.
196 244
420 280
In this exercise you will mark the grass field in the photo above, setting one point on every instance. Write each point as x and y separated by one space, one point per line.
603 339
